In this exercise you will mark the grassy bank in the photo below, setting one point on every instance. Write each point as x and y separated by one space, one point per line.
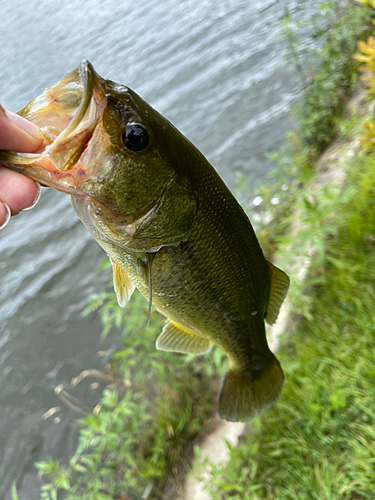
142 436
318 442
326 89
158 403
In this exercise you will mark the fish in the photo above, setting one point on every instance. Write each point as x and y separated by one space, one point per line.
169 224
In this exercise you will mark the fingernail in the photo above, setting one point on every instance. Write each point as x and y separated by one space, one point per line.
27 126
7 219
37 198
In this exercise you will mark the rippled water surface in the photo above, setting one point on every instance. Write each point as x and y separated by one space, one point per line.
215 70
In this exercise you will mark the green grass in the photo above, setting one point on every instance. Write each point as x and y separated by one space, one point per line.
138 439
318 442
319 112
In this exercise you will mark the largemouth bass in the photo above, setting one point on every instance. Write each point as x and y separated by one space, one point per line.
168 223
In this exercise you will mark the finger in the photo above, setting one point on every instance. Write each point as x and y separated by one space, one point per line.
17 191
18 134
4 215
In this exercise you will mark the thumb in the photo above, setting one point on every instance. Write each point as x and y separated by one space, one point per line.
18 134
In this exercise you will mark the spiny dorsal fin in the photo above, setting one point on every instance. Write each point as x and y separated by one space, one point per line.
175 337
279 289
122 284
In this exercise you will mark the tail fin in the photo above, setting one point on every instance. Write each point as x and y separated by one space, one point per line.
245 393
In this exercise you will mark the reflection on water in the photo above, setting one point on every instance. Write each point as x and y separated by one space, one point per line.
215 70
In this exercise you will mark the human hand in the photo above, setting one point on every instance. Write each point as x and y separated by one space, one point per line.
17 192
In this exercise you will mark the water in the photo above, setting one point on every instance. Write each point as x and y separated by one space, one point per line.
215 70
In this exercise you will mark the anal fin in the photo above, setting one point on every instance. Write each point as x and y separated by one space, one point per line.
175 337
279 289
122 285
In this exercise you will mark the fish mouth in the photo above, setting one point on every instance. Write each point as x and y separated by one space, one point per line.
67 114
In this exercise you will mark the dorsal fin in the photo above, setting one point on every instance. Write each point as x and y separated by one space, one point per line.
279 289
122 284
175 337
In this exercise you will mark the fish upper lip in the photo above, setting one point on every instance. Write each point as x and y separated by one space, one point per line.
59 149
86 72
74 104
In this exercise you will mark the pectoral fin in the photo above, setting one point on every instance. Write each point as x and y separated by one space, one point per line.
176 338
122 284
279 289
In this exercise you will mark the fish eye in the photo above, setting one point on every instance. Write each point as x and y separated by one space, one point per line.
135 137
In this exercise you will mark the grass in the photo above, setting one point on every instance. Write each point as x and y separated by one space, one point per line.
138 440
338 26
318 442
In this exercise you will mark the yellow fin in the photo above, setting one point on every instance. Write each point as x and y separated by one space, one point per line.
122 285
279 289
245 393
175 337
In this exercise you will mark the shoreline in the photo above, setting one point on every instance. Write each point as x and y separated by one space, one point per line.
330 170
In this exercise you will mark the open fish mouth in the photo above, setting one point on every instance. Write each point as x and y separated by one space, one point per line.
67 114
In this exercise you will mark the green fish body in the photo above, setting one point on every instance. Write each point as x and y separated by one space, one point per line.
169 224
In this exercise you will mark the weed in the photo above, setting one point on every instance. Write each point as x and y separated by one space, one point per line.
137 439
318 441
